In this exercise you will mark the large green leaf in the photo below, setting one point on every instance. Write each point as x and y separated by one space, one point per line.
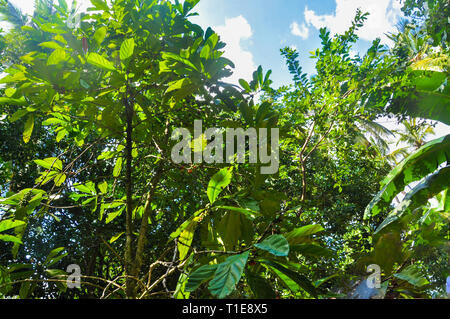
301 235
9 223
419 195
260 286
412 275
276 245
311 250
218 182
415 167
432 100
233 227
250 214
228 275
199 276
290 277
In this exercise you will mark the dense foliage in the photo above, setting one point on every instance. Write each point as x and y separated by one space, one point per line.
87 178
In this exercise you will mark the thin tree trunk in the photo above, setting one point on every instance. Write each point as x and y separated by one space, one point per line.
147 211
130 284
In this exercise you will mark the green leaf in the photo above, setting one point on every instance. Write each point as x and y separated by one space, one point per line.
260 76
103 187
250 214
177 85
24 290
115 237
419 195
100 5
10 238
114 215
60 179
18 114
126 49
51 45
247 112
53 257
228 275
9 223
118 167
291 277
412 275
50 163
56 57
11 101
276 245
199 276
176 57
180 290
56 273
100 62
209 46
61 134
263 109
88 188
99 35
175 234
432 97
300 235
260 286
245 85
312 250
29 125
233 227
415 167
218 182
186 237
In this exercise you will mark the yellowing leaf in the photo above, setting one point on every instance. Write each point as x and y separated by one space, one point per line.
126 49
99 35
176 85
56 57
118 167
29 125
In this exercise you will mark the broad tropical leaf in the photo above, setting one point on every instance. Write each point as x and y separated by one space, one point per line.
228 275
276 245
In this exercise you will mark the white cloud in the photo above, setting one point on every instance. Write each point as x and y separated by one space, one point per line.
384 15
300 31
233 33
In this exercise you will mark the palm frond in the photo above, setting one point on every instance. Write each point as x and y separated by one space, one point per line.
12 14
